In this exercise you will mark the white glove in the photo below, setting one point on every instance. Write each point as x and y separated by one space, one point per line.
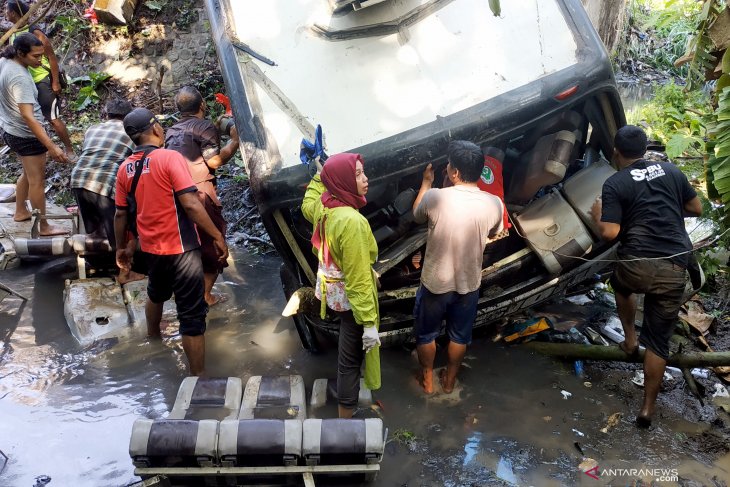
370 338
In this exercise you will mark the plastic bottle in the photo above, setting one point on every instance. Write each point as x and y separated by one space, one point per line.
578 365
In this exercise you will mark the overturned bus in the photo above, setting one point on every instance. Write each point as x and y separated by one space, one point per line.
396 80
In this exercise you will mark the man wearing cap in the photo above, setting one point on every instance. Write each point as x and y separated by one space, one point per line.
167 212
643 205
197 139
94 175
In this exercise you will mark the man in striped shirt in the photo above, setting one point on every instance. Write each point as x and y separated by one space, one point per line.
93 177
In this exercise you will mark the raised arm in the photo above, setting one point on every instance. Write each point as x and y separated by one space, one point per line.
312 204
52 60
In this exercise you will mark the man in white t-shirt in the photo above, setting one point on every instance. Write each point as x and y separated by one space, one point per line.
461 219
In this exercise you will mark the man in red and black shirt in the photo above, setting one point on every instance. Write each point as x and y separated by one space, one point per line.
167 212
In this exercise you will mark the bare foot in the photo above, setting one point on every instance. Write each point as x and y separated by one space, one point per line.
125 277
212 299
22 217
49 230
448 388
425 380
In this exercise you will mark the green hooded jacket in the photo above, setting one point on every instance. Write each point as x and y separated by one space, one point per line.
354 250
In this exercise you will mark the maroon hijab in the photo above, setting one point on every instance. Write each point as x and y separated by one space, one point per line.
338 176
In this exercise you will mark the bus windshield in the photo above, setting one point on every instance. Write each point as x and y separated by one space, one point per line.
380 71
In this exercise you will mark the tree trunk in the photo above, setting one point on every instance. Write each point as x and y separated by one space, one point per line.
608 17
597 352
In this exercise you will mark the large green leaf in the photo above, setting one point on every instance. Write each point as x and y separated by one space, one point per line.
679 143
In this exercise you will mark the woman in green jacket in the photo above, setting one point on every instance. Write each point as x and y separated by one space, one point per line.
346 283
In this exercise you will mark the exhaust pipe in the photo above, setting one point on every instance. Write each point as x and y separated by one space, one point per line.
44 246
88 244
56 246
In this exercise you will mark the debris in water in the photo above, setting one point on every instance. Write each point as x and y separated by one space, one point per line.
505 472
720 391
613 329
579 433
565 394
613 420
547 418
639 377
579 300
471 448
587 465
578 366
595 337
588 384
578 447
41 480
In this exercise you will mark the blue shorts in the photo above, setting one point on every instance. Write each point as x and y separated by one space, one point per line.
459 311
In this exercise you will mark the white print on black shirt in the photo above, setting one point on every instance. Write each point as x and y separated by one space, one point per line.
651 172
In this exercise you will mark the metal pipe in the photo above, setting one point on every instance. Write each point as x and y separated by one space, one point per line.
43 246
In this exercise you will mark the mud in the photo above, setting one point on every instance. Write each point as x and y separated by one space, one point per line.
67 410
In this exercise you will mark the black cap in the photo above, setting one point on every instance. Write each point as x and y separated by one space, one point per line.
138 121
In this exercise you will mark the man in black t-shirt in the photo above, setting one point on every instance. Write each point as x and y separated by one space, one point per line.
644 205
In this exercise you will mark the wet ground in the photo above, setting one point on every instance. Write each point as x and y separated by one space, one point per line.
66 412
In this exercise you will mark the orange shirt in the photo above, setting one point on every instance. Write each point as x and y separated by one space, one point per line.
162 224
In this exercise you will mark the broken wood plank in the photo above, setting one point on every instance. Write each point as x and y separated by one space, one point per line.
575 351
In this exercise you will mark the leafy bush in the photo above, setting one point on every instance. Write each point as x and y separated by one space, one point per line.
657 33
88 94
676 119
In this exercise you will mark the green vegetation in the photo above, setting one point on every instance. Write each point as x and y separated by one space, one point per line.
88 94
656 33
676 119
404 436
186 12
68 26
692 123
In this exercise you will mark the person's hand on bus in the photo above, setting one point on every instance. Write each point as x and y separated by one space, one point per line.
428 176
597 209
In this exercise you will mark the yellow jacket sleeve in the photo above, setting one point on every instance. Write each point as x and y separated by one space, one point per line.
355 251
312 203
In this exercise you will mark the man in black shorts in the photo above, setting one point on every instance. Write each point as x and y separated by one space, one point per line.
644 205
167 212
46 77
197 139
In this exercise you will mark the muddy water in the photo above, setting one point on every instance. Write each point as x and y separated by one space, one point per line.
66 412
